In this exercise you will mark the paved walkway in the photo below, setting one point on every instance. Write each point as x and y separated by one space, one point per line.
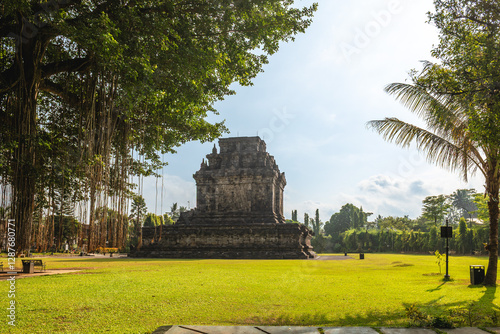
7 274
312 330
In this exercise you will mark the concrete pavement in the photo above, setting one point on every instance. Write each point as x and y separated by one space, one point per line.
313 330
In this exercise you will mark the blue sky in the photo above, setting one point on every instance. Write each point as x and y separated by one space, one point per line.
311 105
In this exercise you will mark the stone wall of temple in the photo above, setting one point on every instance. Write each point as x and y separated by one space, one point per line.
240 185
258 241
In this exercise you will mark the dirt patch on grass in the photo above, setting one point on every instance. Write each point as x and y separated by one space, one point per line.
81 273
403 265
333 257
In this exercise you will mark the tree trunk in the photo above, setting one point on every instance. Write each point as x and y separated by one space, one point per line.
90 241
25 173
492 186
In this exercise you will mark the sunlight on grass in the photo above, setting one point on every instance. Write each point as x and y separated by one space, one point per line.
110 295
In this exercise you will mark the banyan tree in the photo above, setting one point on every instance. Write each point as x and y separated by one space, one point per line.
93 92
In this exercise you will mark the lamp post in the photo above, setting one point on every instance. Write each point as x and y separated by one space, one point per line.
447 276
447 232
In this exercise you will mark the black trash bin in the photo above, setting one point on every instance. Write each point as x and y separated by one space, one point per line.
361 256
28 267
476 275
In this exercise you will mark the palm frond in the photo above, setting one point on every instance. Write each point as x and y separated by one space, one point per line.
438 150
441 112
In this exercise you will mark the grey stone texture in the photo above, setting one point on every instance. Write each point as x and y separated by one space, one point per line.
236 330
239 212
349 330
211 330
240 185
464 330
309 330
287 330
385 330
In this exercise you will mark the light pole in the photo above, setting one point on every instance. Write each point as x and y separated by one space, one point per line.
447 276
447 232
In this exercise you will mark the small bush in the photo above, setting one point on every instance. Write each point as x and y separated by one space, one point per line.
441 322
417 317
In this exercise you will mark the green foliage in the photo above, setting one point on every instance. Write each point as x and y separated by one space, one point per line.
482 212
137 212
473 314
469 315
397 223
306 219
435 208
153 220
322 244
417 318
441 322
463 200
348 217
316 223
138 209
167 220
440 260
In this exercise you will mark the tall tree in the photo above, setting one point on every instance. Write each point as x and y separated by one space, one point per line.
138 211
462 235
482 211
462 199
139 74
153 220
306 219
459 101
435 208
348 217
316 223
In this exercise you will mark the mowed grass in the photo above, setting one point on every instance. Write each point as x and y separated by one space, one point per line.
111 295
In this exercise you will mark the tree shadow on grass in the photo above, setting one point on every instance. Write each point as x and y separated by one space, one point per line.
323 319
483 312
486 303
437 288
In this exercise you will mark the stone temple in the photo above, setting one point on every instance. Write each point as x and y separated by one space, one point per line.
238 214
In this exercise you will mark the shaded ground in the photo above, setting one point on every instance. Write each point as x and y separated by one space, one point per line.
333 257
5 275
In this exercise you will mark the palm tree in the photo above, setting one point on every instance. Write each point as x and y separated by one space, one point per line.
462 199
447 141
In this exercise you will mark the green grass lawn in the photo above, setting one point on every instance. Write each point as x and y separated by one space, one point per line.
136 296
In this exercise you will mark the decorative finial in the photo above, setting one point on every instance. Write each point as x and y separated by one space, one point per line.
214 150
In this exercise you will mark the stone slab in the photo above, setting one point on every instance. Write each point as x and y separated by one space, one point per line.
287 330
235 330
349 330
212 330
464 330
407 331
494 329
309 330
